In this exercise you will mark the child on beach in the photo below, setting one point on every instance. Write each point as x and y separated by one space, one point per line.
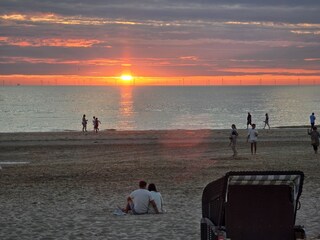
253 138
233 140
96 123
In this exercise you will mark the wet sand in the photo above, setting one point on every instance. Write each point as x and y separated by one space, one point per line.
66 185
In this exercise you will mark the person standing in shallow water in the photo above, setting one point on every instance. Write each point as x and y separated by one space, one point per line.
84 123
314 134
233 140
249 120
252 138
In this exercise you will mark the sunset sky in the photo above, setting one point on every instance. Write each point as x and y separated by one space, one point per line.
211 42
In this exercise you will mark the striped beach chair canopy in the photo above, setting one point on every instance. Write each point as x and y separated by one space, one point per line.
294 179
252 205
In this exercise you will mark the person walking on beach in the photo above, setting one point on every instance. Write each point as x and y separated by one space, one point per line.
84 123
253 138
139 200
96 124
233 140
249 119
312 120
314 134
266 121
93 121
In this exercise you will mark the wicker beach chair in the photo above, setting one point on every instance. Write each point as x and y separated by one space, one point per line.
260 205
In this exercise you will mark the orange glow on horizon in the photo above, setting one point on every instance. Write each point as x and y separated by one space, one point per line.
125 79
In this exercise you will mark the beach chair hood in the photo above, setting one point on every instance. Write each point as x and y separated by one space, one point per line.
230 203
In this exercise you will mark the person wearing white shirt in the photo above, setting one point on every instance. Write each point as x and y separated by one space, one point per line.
139 200
252 138
157 199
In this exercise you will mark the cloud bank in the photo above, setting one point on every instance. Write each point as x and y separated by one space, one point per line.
159 38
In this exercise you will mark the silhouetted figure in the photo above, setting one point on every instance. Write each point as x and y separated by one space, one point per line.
266 121
249 119
84 123
314 134
96 124
233 140
312 120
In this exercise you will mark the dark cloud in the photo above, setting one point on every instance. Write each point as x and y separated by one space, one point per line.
291 11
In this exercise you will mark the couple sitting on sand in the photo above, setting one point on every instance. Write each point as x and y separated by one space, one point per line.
143 200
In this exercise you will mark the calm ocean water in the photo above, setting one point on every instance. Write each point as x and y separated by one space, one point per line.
60 108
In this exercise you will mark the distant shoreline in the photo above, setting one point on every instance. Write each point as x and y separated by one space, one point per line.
149 130
299 126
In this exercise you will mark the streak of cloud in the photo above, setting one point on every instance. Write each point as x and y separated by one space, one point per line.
160 37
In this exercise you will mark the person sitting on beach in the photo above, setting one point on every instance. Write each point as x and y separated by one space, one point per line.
253 138
157 199
314 138
233 140
139 200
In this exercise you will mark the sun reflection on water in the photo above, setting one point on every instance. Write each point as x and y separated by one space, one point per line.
126 108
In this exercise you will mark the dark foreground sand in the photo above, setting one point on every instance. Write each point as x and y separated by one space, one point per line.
69 183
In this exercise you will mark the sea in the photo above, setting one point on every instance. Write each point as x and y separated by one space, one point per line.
60 108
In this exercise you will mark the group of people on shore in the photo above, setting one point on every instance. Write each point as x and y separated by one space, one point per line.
266 121
252 136
144 200
95 122
148 200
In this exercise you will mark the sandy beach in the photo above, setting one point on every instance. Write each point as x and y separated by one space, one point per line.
66 185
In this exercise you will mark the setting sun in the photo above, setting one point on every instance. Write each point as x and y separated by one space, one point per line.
126 78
